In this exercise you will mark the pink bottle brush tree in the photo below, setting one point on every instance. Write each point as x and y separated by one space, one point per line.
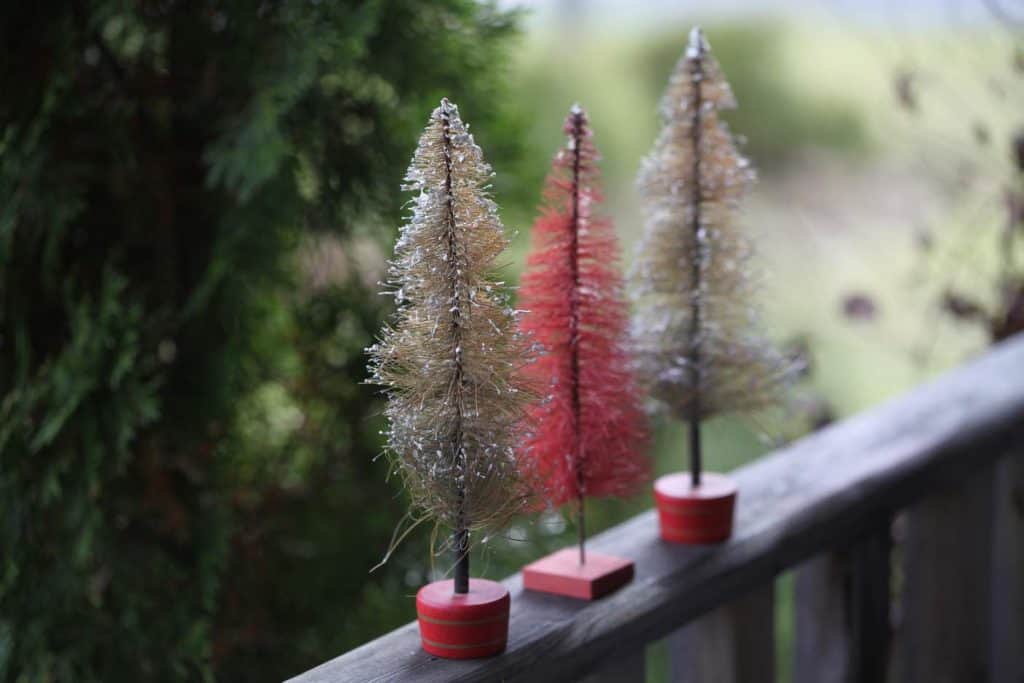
590 433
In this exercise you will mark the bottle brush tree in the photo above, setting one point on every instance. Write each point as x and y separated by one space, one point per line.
695 330
589 433
449 362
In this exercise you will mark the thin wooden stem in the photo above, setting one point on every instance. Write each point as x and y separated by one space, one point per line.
696 266
462 530
462 561
581 525
696 456
574 322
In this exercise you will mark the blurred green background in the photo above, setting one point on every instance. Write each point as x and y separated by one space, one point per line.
197 203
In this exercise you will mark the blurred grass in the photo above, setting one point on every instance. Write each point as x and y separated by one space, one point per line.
619 77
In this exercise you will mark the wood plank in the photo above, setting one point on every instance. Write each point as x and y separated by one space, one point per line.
947 585
629 666
869 598
822 647
792 504
842 613
733 644
1008 572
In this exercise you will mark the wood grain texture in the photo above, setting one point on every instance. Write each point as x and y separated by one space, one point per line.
733 644
947 594
792 504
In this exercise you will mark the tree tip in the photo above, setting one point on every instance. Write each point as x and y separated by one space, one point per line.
698 45
576 121
577 113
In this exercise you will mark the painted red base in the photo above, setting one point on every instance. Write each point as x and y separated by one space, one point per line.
562 574
466 626
695 515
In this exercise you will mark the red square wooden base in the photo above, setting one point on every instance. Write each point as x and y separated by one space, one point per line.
562 574
466 626
695 515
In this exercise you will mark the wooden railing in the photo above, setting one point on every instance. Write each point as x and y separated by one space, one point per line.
905 526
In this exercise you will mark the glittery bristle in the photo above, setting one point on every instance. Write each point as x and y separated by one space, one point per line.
696 332
590 435
449 361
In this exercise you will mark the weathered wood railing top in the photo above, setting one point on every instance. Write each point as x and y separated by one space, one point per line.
809 497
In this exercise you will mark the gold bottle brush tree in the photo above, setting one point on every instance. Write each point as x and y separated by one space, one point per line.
695 330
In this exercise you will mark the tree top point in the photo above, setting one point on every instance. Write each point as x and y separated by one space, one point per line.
698 45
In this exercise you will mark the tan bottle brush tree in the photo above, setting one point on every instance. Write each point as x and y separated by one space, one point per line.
695 330
449 360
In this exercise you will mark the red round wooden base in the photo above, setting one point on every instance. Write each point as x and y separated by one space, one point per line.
696 515
463 626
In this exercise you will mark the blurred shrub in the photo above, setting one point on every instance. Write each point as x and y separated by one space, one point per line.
619 75
186 454
775 117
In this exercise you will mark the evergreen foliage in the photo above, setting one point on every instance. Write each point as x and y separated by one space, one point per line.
182 432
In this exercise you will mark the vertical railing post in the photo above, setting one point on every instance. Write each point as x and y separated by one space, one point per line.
869 605
821 649
621 667
842 612
733 644
1008 571
947 595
